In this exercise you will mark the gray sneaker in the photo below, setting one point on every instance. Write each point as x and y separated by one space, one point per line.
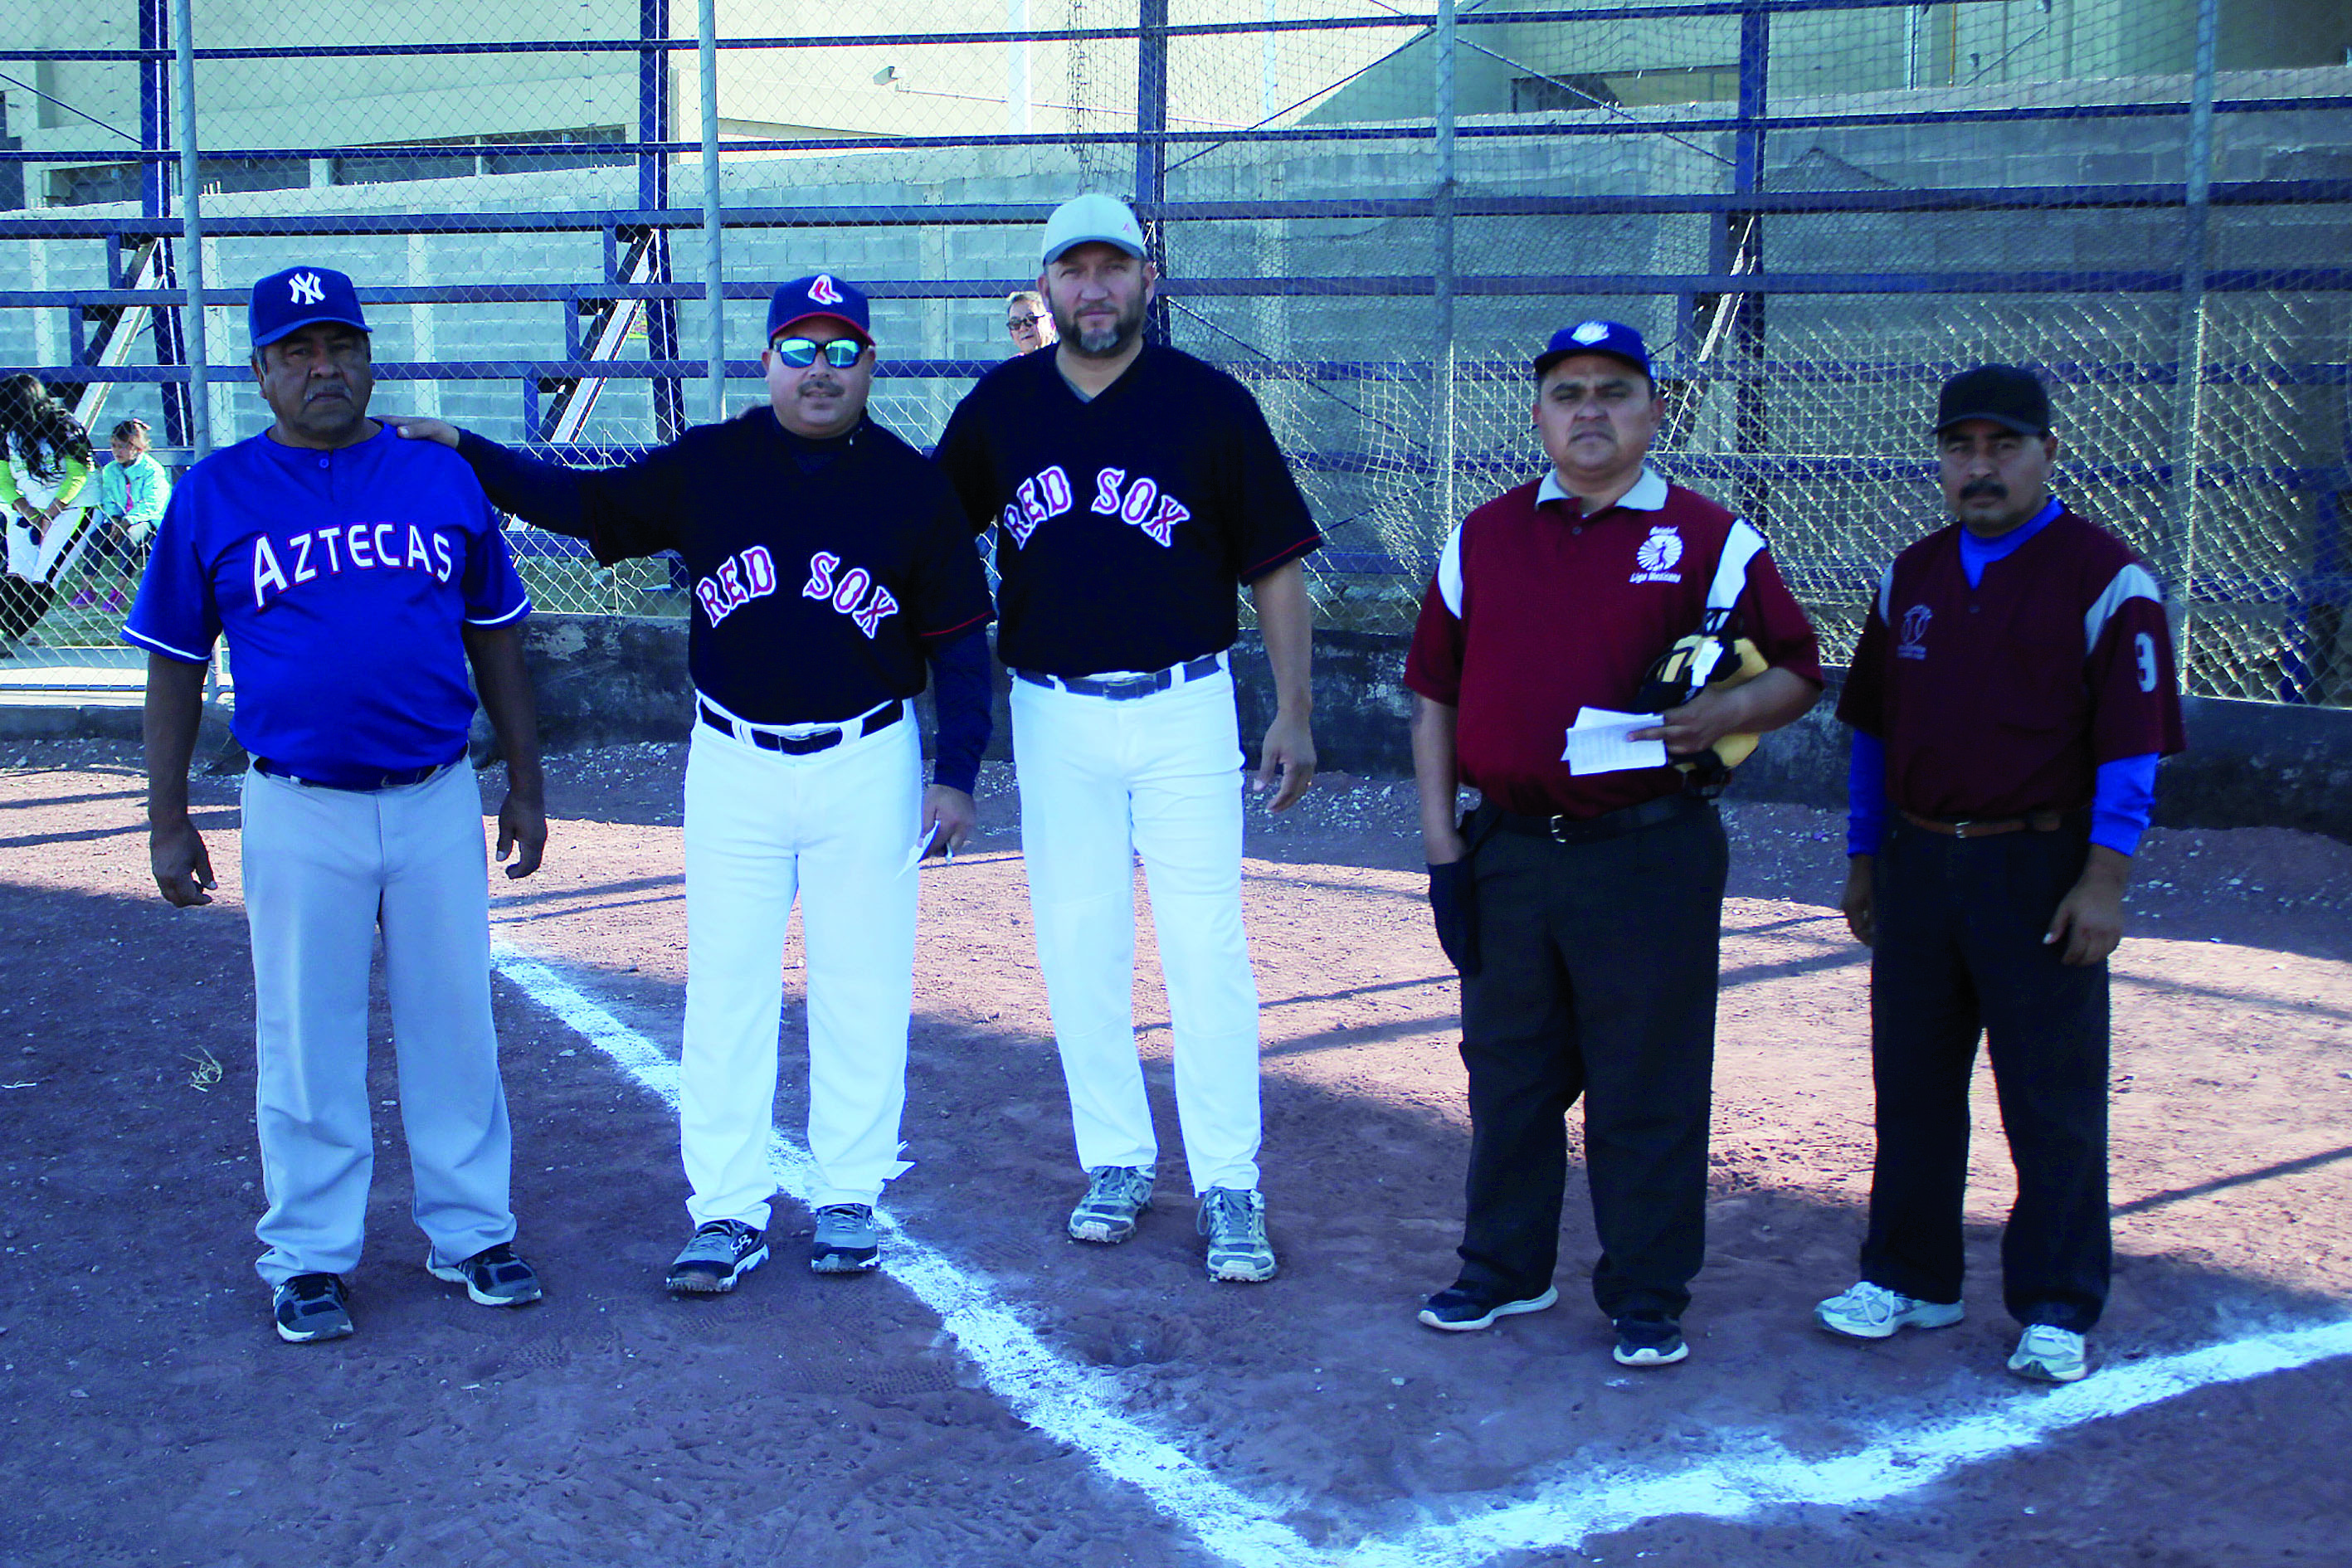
1234 1223
1115 1195
2048 1354
1868 1312
722 1252
848 1241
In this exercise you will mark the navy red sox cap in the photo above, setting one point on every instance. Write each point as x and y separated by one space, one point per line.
1615 339
2012 397
822 295
301 297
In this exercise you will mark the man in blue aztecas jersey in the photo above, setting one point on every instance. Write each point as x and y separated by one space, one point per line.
355 577
1133 490
831 566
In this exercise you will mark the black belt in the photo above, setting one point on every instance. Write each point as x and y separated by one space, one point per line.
802 745
358 784
1608 824
1988 827
1125 691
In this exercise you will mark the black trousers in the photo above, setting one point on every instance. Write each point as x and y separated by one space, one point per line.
1960 952
1597 979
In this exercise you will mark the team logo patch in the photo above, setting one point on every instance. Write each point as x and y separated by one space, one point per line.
1590 332
306 288
1913 643
1656 557
822 291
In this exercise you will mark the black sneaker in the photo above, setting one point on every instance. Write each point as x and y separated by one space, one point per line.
1460 1308
1649 1339
494 1277
719 1253
310 1307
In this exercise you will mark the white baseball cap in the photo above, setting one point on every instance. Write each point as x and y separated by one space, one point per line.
1088 219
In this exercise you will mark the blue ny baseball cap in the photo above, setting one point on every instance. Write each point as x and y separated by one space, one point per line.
1615 339
822 295
301 297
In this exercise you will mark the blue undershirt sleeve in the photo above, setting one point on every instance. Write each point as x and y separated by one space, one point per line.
961 696
1865 794
2121 802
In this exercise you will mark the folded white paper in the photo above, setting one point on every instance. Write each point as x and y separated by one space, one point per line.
1598 744
915 856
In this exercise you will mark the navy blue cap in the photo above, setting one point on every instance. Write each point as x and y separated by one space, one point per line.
822 295
1615 339
300 296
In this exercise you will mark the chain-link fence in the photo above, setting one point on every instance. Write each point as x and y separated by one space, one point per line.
1815 209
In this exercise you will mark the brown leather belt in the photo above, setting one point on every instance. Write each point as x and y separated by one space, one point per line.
2034 821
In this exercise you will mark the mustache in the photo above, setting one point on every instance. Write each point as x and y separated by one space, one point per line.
820 385
1992 488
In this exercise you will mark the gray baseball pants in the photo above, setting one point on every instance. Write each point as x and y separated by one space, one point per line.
323 869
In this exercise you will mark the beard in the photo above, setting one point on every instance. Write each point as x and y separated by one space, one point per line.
1101 342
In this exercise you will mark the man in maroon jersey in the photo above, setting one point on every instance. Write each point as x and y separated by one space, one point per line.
2011 693
1596 887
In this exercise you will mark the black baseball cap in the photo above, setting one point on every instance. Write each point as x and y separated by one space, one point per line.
2009 396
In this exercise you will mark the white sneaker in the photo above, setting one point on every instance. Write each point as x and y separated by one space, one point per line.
1871 1311
2047 1354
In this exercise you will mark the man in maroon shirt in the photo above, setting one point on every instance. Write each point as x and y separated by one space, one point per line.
2010 697
1587 924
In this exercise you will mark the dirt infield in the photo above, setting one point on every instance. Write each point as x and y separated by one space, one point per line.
152 1418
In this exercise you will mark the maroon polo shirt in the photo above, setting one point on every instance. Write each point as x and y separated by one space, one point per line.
1538 610
2004 698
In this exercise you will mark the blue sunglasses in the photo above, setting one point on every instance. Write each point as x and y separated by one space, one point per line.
840 353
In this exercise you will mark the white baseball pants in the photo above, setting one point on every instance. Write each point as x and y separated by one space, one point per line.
1102 782
45 558
323 867
833 827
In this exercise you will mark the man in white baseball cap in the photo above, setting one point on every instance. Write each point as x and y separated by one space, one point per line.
1133 487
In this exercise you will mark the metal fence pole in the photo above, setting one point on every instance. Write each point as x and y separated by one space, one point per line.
713 290
192 228
1151 145
1442 410
2188 354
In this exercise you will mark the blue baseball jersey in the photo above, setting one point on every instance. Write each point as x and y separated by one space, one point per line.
341 580
1126 522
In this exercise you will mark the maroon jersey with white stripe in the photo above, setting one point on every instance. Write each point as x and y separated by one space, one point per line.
2004 698
1539 611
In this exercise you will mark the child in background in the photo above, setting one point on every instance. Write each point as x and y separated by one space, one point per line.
132 491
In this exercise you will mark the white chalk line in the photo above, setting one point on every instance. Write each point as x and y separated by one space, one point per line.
1079 1409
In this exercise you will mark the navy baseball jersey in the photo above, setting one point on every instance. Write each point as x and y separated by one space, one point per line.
340 579
823 572
1125 524
2003 699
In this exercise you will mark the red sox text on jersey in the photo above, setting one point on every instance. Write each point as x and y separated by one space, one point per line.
750 574
360 546
1048 495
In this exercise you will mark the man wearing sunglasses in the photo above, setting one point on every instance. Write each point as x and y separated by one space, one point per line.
831 564
1028 322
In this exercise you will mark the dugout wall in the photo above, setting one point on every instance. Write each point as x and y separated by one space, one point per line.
1816 210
